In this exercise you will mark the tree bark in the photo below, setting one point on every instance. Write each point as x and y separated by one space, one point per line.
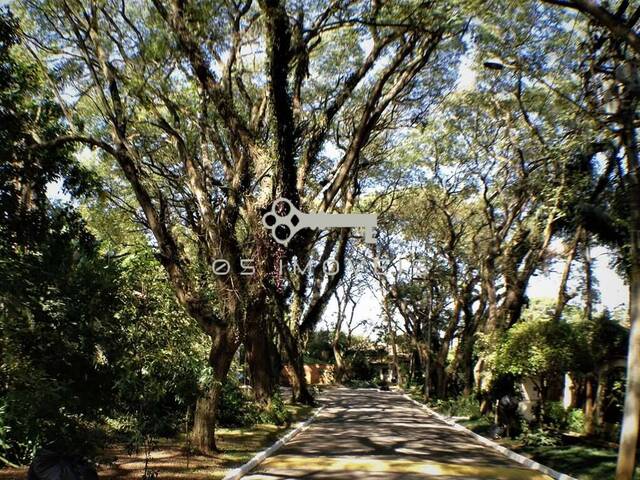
223 348
601 392
338 374
392 340
631 417
563 298
260 357
589 407
629 432
299 389
427 369
464 352
588 279
442 375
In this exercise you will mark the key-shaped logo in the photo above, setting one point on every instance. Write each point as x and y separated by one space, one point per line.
284 221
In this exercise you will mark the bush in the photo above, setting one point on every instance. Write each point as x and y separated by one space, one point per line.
459 407
575 420
555 415
276 412
354 383
237 409
361 369
539 437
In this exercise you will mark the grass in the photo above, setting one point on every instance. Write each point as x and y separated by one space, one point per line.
582 461
238 445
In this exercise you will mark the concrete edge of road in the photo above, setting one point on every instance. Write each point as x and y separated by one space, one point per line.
516 457
258 458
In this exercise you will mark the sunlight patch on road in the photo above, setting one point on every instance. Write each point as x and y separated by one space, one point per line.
354 464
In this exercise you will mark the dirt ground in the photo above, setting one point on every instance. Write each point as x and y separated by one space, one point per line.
170 460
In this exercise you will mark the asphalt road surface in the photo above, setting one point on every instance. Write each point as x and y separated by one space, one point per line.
366 434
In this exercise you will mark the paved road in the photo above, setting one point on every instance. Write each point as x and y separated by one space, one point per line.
366 434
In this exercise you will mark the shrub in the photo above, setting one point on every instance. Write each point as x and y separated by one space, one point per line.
236 409
354 383
361 369
541 438
575 420
276 412
538 437
555 415
459 407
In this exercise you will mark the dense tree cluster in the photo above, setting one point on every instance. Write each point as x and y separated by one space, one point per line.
494 141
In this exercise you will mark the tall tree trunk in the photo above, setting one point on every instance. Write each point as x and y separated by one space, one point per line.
260 357
589 406
588 278
223 348
563 298
299 389
338 373
261 353
464 352
335 343
629 432
394 346
291 340
467 367
441 379
423 354
601 395
442 375
631 417
416 374
594 404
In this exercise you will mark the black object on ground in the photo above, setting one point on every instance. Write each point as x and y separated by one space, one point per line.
48 465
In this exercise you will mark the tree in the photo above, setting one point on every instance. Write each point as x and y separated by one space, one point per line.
614 97
346 298
207 136
54 309
539 349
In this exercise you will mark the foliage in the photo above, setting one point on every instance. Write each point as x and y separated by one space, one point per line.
361 368
318 348
160 354
604 339
238 409
539 437
275 412
555 415
85 334
195 124
57 294
575 420
459 407
537 348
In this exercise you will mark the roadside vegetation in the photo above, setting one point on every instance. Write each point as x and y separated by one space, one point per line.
148 297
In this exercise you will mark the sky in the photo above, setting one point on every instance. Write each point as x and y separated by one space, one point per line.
612 288
613 291
544 285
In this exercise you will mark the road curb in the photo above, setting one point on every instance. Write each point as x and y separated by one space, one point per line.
516 457
241 471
